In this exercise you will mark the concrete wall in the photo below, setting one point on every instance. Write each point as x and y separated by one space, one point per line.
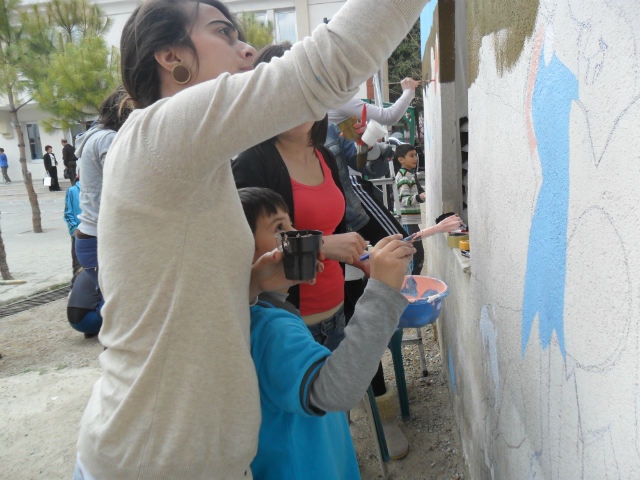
541 338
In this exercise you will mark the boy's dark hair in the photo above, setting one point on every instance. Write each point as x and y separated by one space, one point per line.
1 150
401 151
64 140
321 127
258 201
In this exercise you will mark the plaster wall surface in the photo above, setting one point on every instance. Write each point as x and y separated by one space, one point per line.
542 336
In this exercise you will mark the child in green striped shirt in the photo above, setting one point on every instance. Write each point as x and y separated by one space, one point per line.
411 196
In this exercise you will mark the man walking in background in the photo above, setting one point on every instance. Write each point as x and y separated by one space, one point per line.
69 159
4 165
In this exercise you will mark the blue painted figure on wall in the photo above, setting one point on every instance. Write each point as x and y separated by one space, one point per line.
555 89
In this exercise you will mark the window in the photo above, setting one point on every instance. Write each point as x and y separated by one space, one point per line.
77 130
286 26
33 132
261 17
464 155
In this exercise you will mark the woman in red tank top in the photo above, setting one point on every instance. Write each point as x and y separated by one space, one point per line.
296 165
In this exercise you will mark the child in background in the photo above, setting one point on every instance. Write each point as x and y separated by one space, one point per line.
304 388
411 196
71 212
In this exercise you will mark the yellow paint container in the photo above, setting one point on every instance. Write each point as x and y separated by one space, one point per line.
453 239
464 244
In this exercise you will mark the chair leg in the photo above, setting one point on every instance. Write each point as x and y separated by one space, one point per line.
423 362
375 423
395 345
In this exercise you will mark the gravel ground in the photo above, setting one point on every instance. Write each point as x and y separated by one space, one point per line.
435 450
47 371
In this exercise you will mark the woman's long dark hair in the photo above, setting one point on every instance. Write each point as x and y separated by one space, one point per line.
154 25
321 127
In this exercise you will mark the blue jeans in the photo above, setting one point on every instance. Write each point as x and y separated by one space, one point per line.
87 253
329 332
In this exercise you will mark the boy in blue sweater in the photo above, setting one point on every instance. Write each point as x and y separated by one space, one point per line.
304 388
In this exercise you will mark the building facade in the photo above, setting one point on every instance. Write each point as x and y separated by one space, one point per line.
531 123
292 19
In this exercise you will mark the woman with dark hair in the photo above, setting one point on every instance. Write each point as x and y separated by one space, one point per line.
179 394
297 165
51 167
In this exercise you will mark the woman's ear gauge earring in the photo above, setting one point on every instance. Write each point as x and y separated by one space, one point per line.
181 74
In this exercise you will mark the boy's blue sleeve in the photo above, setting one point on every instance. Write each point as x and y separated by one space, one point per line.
287 359
68 212
72 208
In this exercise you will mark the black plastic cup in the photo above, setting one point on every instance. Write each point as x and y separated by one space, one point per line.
300 253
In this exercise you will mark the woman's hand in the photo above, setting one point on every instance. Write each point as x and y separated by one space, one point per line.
449 224
267 274
422 196
409 84
344 247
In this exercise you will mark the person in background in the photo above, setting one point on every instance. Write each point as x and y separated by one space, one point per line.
411 195
69 159
51 166
4 165
296 165
71 212
384 116
304 387
84 306
93 146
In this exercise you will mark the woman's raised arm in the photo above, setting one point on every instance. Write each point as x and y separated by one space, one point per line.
234 112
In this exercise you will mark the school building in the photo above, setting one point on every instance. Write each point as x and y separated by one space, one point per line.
531 122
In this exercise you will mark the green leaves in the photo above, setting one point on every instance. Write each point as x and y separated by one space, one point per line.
56 54
405 62
257 33
77 80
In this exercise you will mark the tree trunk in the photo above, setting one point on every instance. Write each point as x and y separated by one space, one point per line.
4 268
26 174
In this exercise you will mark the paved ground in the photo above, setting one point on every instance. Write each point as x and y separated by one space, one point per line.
42 259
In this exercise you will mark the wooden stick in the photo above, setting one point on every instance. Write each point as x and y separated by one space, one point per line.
421 81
